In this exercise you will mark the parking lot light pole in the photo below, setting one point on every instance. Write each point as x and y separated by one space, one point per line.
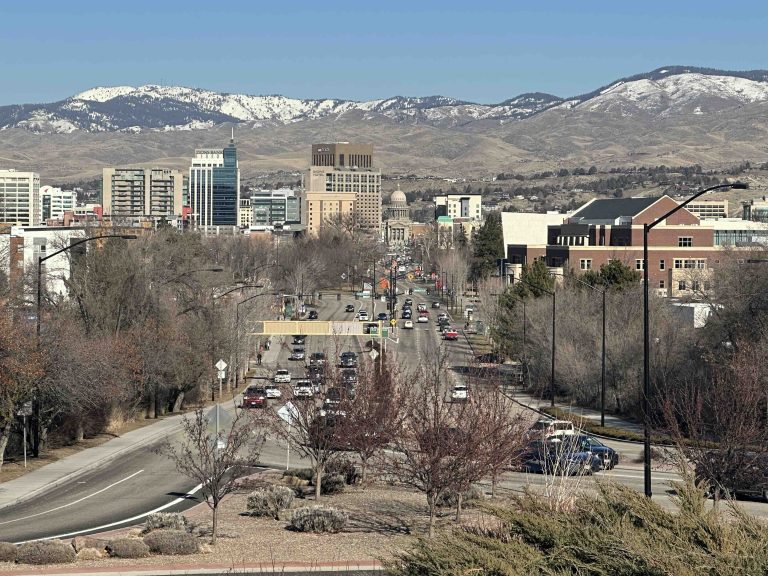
647 333
40 260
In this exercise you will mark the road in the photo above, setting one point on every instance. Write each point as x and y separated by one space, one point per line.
125 489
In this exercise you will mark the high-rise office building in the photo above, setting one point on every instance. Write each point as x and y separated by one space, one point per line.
55 201
342 183
214 186
20 198
271 207
142 191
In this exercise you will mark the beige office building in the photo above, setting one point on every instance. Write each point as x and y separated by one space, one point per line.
142 191
19 198
342 183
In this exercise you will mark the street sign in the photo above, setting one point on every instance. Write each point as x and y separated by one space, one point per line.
221 365
373 354
222 374
25 410
410 276
288 412
343 276
393 322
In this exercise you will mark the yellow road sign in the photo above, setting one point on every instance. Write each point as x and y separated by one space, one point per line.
393 322
410 276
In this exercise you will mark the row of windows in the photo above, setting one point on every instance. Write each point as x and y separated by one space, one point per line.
679 263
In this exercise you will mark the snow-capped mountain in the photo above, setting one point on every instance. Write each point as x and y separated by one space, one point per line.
663 92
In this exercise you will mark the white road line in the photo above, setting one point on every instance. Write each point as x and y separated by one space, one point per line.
125 521
73 503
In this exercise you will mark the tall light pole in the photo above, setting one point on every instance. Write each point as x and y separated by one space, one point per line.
554 326
647 333
40 260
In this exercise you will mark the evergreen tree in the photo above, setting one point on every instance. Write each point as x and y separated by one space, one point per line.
535 281
489 247
615 275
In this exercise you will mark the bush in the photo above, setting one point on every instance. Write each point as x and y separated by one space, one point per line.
345 468
332 484
165 521
269 501
45 552
8 552
303 473
450 499
171 542
90 554
318 519
128 548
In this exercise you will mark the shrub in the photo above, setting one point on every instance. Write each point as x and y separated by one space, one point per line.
332 484
165 521
345 468
171 542
471 496
318 519
128 548
90 554
8 552
45 552
303 473
269 501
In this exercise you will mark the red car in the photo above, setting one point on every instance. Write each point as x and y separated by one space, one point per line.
254 397
450 334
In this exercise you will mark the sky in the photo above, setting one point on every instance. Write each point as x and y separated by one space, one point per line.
480 51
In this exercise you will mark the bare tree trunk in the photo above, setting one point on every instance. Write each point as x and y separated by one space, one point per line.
494 480
214 528
459 500
79 429
431 504
5 434
178 401
318 481
151 405
363 471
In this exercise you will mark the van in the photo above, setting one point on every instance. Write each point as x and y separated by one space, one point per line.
546 428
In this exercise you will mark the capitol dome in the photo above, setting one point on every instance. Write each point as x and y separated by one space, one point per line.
398 197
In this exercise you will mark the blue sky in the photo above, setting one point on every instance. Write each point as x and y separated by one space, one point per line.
357 49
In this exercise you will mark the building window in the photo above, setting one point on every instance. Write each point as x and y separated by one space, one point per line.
684 241
639 264
681 285
695 285
661 284
586 263
662 264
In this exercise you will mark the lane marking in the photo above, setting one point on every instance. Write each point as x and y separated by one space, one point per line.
73 503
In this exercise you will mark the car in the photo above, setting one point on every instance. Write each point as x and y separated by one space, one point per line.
349 308
609 458
406 314
548 428
382 316
297 354
316 374
282 376
408 302
408 324
254 397
303 389
273 391
371 329
544 456
422 319
362 315
460 393
348 360
317 359
435 304
349 377
300 340
312 315
442 316
421 307
450 333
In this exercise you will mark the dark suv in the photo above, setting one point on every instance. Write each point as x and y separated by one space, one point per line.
348 359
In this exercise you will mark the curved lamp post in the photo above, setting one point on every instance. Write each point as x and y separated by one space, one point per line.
40 260
646 328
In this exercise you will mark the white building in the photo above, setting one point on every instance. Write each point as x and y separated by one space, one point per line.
20 198
459 206
54 202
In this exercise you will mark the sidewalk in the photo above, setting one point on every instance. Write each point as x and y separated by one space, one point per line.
56 473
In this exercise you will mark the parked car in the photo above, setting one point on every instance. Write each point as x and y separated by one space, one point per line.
450 333
349 308
297 353
435 304
460 393
254 397
303 389
317 359
348 360
282 376
408 324
299 340
312 315
546 428
273 391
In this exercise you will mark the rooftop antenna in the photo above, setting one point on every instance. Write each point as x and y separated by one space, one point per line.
232 139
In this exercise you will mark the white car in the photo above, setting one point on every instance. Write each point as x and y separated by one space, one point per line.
421 307
408 324
273 391
422 319
362 316
303 389
459 393
282 376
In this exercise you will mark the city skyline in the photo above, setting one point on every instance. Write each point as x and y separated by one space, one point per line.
483 54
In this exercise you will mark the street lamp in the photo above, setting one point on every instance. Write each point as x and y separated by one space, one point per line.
602 351
646 328
40 260
554 325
